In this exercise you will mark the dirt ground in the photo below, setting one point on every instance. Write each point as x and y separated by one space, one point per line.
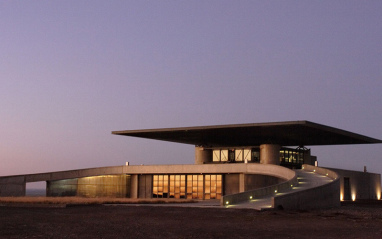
362 220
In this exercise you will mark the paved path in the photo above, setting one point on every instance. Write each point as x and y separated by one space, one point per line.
306 180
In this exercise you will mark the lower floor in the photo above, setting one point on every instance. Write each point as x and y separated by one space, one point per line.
179 186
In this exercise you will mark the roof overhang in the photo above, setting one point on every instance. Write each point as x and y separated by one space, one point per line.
289 133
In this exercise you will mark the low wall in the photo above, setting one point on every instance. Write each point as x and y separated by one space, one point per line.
362 185
290 175
324 196
12 186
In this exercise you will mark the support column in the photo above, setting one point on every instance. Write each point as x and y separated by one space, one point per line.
270 154
241 183
134 186
202 155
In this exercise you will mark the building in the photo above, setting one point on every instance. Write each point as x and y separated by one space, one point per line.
233 163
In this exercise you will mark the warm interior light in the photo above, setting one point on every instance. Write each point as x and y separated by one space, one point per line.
314 170
250 197
353 197
226 202
291 185
275 191
342 197
379 196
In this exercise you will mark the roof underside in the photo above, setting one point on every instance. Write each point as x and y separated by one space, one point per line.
291 133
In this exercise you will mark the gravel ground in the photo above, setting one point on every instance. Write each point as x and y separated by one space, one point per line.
360 220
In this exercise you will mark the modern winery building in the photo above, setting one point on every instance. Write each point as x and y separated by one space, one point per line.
233 163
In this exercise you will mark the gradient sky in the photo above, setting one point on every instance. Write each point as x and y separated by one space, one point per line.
73 71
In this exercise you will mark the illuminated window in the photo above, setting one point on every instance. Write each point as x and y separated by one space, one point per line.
238 155
177 186
160 186
104 186
224 155
247 155
196 186
212 186
216 155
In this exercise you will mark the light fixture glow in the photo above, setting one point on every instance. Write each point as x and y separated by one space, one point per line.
250 197
226 202
276 191
353 197
342 197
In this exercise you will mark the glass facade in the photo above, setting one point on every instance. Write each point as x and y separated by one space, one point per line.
212 186
104 186
160 186
193 186
288 157
177 186
98 186
291 157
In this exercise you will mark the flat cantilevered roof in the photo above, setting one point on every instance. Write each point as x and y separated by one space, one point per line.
289 133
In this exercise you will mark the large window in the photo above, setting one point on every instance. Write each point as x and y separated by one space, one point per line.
177 186
193 186
291 157
96 186
160 186
236 155
212 186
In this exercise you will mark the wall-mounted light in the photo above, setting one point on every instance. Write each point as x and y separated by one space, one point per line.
227 202
250 197
353 197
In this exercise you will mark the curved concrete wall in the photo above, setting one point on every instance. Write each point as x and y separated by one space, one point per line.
203 155
289 175
15 185
270 154
324 196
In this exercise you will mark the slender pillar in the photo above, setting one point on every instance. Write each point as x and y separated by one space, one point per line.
202 155
270 154
241 182
134 186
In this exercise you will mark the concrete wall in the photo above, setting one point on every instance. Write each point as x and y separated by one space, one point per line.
255 181
270 154
15 185
324 196
203 155
12 186
362 185
231 183
145 186
232 199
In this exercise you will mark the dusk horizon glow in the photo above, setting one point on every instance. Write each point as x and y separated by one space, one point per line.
74 71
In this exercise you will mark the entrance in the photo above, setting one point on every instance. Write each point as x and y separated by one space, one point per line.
347 193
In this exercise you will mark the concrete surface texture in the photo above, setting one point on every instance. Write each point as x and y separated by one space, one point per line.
306 180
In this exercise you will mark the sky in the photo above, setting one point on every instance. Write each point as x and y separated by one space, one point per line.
73 71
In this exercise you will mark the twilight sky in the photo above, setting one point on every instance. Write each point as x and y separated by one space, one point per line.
73 71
